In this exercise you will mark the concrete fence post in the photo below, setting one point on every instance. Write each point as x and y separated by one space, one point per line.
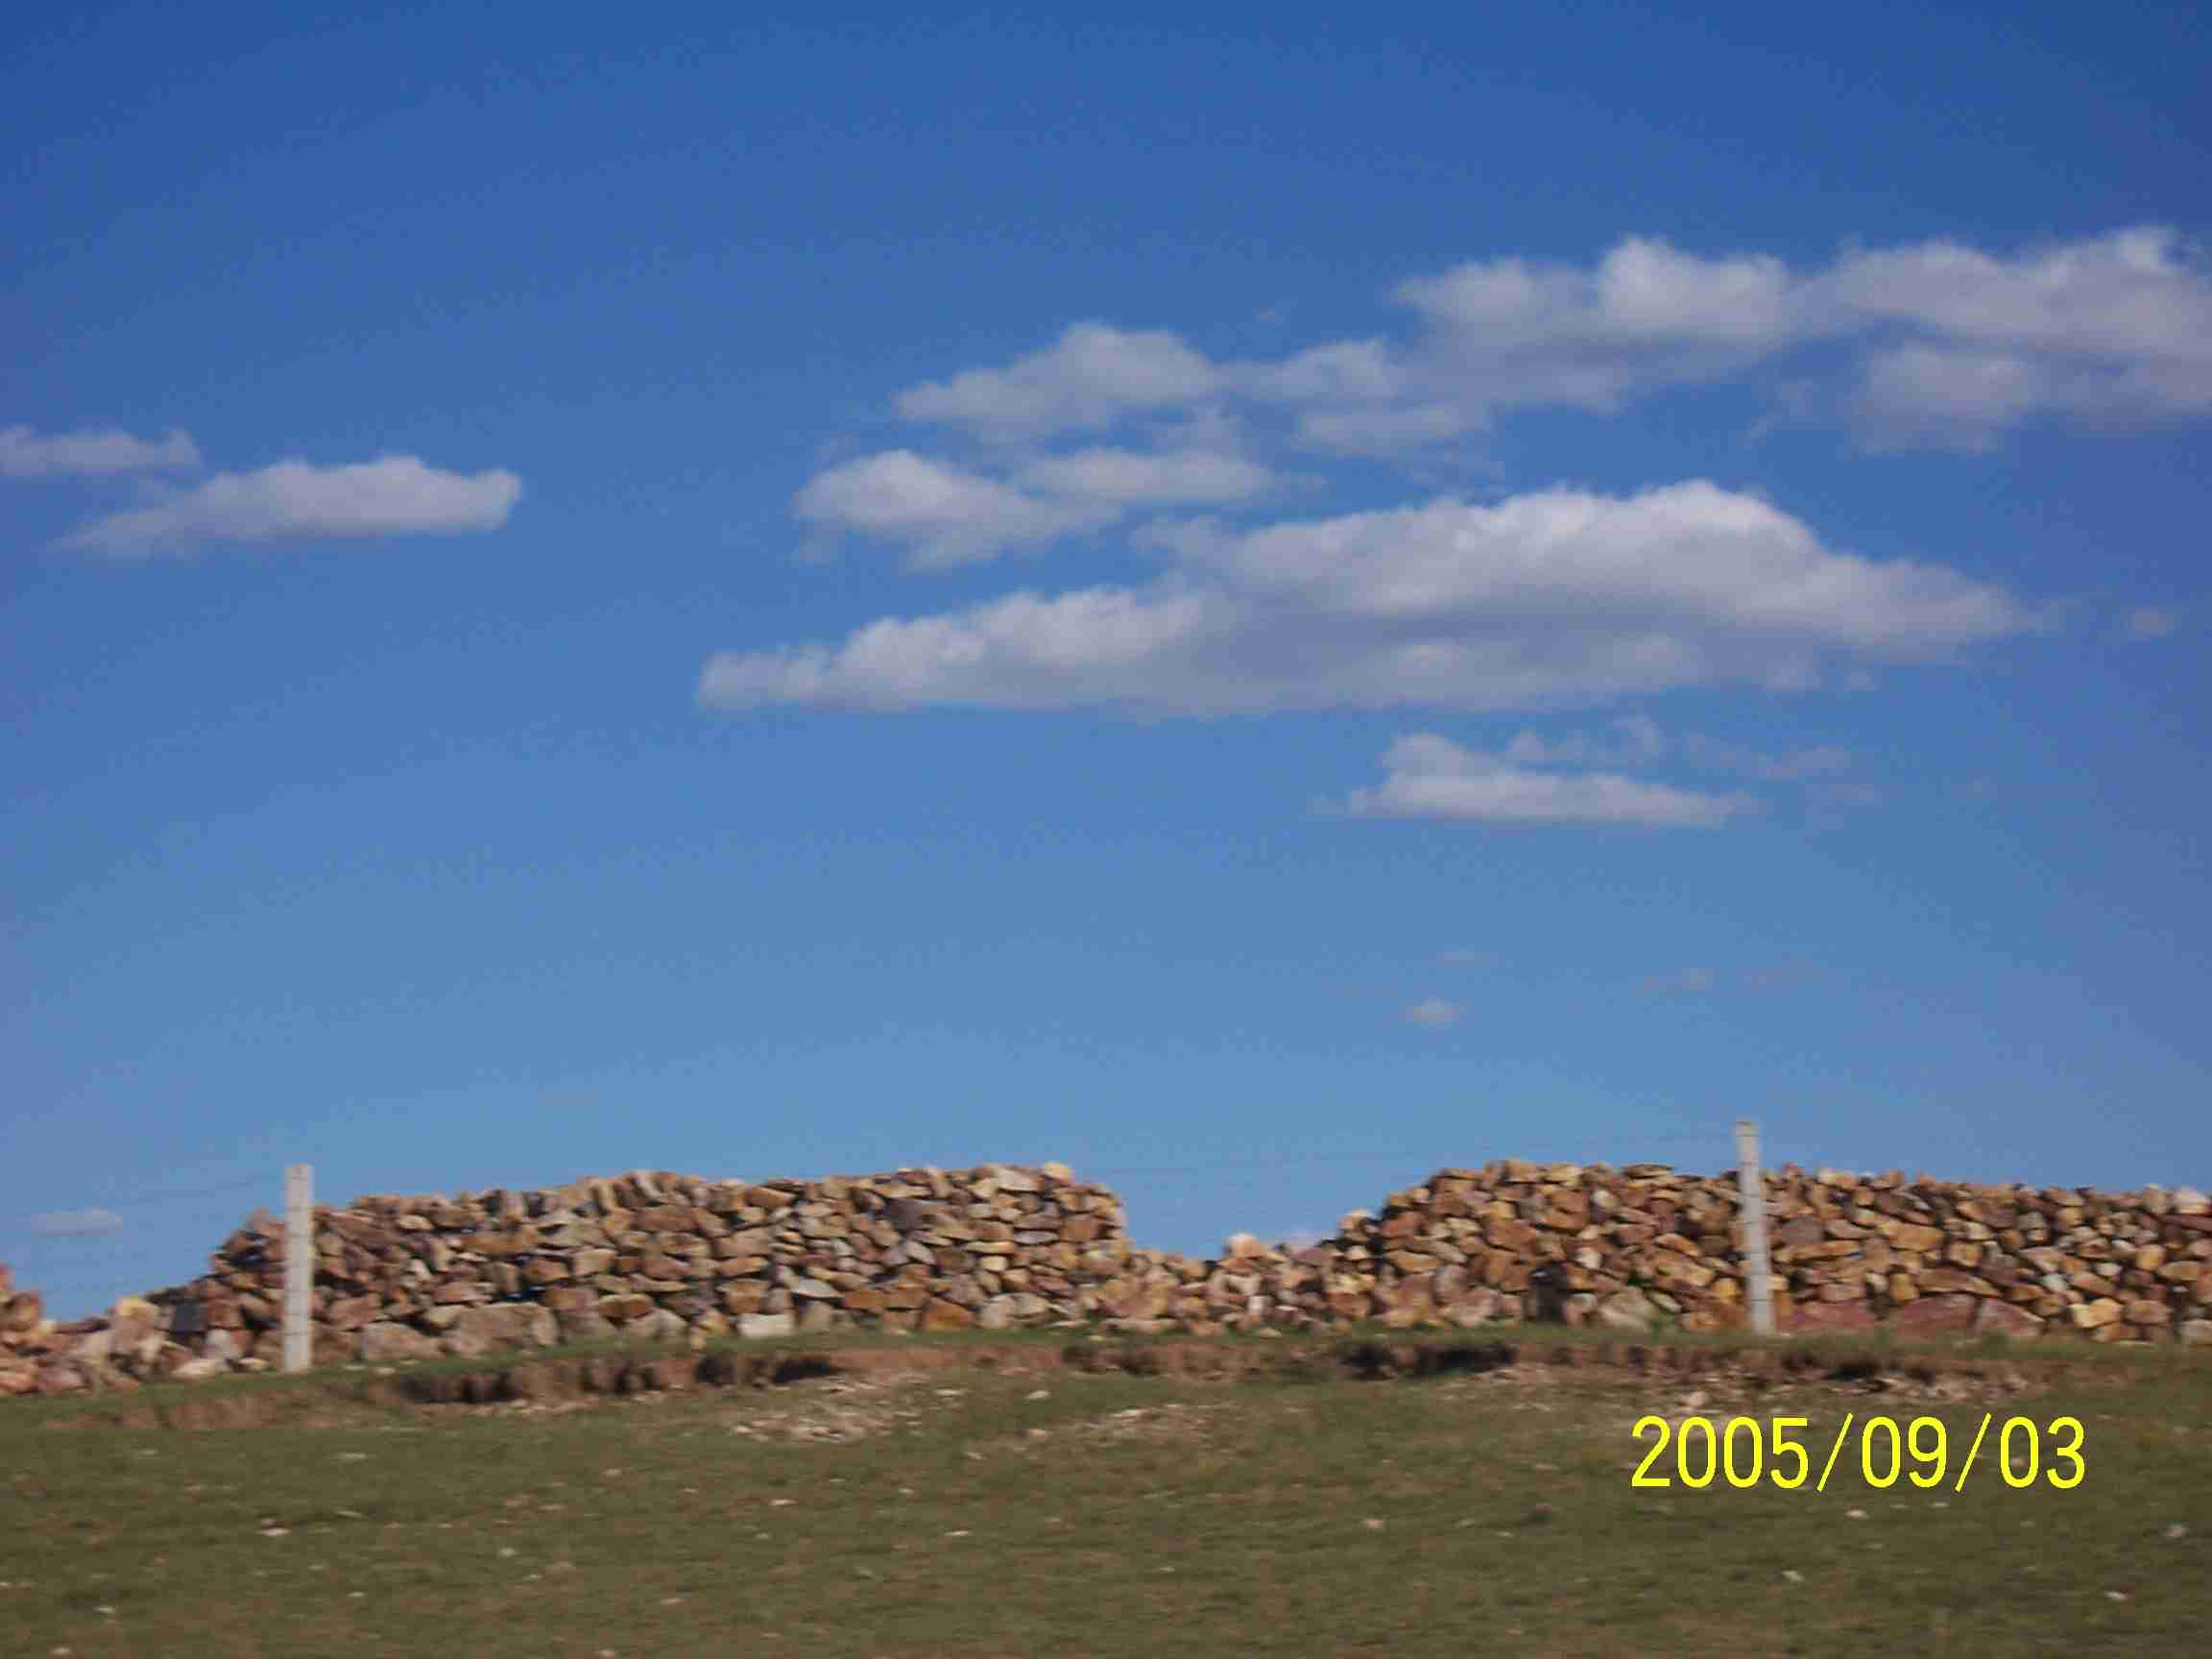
299 1264
1751 1205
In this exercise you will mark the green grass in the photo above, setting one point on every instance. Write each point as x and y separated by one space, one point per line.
1230 1518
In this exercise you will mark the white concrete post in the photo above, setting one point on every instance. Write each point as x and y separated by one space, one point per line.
299 1263
1751 1204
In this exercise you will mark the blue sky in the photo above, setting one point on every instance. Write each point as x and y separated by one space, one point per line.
1258 603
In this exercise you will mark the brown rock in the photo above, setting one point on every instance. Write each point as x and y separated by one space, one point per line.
2007 1319
1826 1316
1939 1280
1509 1235
351 1312
939 1314
385 1342
507 1326
1948 1314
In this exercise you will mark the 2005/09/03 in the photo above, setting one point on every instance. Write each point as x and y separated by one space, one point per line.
1882 1452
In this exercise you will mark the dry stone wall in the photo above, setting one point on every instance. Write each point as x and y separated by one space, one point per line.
659 1257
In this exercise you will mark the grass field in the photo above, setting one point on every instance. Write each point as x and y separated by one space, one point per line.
1057 1511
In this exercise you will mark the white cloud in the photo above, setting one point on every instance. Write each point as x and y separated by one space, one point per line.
393 494
1557 598
1091 376
70 1223
1136 477
24 454
1941 343
2135 295
949 515
1945 398
1432 776
1956 344
1637 740
2148 622
1023 651
1435 1011
1508 332
1639 292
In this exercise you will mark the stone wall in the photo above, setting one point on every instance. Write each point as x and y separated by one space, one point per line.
660 1256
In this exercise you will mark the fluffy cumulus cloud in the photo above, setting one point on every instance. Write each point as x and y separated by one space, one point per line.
1136 477
1024 651
2119 327
1939 343
949 514
1556 598
25 454
1506 332
1544 600
74 1223
395 495
1427 775
950 517
1091 376
1947 343
1931 343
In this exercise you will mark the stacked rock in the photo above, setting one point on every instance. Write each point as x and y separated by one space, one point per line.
42 1355
23 1325
1643 1246
652 1257
660 1257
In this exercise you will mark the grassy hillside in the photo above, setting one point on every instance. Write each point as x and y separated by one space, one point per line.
1027 1511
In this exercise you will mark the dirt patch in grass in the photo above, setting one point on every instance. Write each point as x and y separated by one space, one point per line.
539 1385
